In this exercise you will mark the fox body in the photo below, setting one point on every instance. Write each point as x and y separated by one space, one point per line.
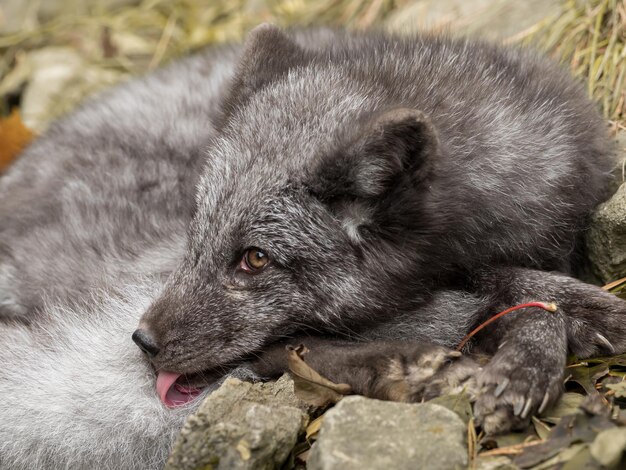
355 187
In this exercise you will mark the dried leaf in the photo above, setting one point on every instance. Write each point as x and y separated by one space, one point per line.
568 404
310 386
619 389
472 443
459 403
619 360
243 447
514 449
582 460
14 137
609 446
562 457
313 428
572 429
541 428
587 377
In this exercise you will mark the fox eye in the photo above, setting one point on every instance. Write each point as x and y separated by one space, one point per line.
254 260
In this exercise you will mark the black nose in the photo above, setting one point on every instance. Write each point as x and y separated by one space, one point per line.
146 342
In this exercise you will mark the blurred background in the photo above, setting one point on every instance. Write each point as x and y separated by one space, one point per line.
53 53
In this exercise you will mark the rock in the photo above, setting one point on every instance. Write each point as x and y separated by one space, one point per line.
364 433
619 156
241 426
606 238
459 403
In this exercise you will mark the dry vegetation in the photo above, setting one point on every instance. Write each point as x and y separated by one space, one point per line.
107 45
590 36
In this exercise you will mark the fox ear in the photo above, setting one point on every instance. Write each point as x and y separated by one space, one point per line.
267 54
398 147
398 142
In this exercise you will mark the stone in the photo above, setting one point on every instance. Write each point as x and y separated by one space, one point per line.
606 237
362 433
619 157
241 426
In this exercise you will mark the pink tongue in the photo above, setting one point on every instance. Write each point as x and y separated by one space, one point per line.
171 393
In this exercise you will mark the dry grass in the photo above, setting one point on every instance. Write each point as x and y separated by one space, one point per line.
155 30
590 35
133 39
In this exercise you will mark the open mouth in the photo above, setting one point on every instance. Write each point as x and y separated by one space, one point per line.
173 393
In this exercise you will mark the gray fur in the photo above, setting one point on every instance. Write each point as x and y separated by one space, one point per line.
402 188
92 220
77 394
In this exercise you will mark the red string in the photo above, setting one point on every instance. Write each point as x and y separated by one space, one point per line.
551 307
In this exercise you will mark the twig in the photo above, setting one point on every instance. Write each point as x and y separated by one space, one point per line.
510 450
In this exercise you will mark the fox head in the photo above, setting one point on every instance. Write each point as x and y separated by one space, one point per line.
309 214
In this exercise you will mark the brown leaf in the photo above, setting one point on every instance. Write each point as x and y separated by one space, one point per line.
572 429
14 137
313 428
310 386
568 404
541 428
619 389
587 377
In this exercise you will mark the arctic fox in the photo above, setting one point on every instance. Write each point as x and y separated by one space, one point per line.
359 187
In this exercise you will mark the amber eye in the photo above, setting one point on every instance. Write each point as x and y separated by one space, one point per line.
254 260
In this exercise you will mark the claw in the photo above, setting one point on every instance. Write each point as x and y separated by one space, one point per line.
527 408
606 342
501 386
544 403
502 344
519 405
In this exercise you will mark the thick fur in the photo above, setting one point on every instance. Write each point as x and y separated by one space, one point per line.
403 189
107 193
92 220
77 394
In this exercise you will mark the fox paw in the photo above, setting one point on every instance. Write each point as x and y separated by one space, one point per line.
426 373
513 387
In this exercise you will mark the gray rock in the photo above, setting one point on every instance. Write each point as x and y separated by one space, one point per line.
619 155
606 238
241 426
363 433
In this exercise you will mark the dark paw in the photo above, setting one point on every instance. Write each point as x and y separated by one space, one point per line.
513 387
597 325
